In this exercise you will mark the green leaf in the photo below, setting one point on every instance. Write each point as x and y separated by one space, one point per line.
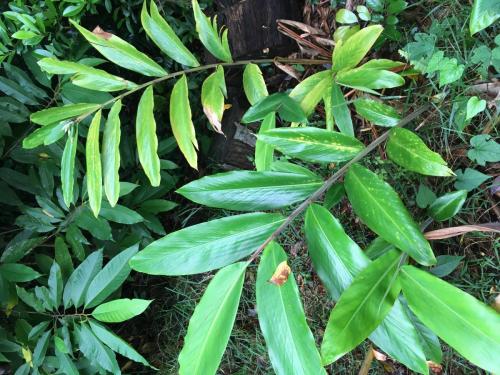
111 154
68 166
376 112
55 283
97 226
363 13
57 114
384 64
264 153
290 342
79 281
94 169
408 150
340 110
116 344
45 135
110 278
207 246
120 310
121 214
469 179
463 322
120 52
284 105
448 205
381 209
254 84
94 350
425 196
181 122
18 273
155 206
66 364
348 54
63 257
164 36
41 349
484 149
212 321
214 41
29 299
484 13
313 144
250 191
310 91
14 90
369 79
22 78
37 330
12 111
345 16
334 195
446 264
213 92
86 76
362 306
147 142
474 107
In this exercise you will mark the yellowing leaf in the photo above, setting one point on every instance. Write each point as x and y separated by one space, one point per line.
181 122
280 276
27 356
213 92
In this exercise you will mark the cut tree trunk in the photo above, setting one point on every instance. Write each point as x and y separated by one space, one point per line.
252 34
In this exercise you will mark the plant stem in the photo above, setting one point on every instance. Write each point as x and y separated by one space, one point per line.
199 69
328 183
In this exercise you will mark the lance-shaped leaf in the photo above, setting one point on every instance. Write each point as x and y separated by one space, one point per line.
115 343
264 153
213 92
310 91
348 54
55 284
120 52
14 90
164 37
466 324
251 191
110 278
212 321
80 279
408 150
57 114
214 41
46 135
448 205
207 246
94 350
18 273
369 79
147 142
362 307
313 144
287 108
68 165
181 122
86 76
381 209
253 83
93 158
120 310
290 343
111 154
376 112
336 107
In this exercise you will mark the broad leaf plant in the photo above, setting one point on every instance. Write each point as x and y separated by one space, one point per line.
384 294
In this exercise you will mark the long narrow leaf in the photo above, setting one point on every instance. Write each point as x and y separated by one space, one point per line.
68 165
111 154
94 169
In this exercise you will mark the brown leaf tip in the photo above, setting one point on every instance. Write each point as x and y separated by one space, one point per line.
281 274
101 33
